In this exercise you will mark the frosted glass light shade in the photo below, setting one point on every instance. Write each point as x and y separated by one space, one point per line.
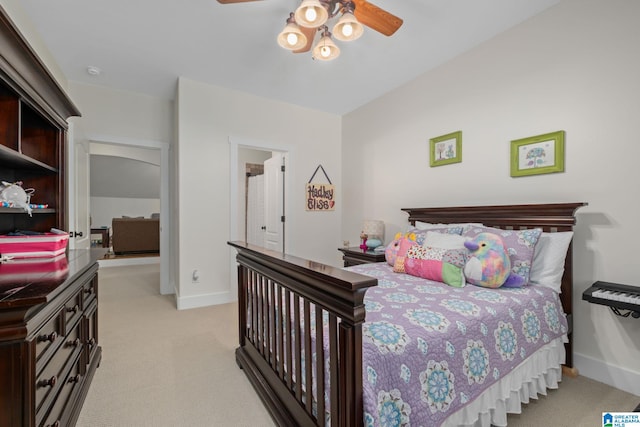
347 28
373 228
326 49
291 37
311 14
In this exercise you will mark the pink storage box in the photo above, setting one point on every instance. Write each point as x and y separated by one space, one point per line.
31 270
36 246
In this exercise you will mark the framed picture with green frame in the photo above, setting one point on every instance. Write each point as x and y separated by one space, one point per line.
538 154
446 149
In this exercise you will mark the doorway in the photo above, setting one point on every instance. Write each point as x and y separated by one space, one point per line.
254 204
264 199
165 269
276 159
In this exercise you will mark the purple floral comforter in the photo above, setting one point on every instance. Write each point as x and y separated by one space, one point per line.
429 349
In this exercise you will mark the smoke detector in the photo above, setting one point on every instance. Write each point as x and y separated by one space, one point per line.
93 71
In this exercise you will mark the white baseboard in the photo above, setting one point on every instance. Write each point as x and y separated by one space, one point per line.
614 376
195 301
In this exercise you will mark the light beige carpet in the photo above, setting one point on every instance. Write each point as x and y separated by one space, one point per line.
164 367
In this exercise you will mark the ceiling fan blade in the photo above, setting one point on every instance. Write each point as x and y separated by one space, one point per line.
375 18
309 33
233 1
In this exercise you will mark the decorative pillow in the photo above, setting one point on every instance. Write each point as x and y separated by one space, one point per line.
439 264
488 264
520 246
429 226
405 243
391 252
422 234
548 259
443 240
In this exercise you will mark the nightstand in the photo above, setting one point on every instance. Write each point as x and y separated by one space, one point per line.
355 256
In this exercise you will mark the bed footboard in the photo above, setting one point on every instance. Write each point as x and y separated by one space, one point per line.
300 336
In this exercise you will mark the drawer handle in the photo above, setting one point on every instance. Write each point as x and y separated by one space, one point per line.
74 343
73 309
91 342
89 290
74 379
51 337
51 382
56 424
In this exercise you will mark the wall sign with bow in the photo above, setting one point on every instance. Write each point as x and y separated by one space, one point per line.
320 197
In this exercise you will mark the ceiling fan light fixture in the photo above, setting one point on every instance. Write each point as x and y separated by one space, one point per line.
291 37
326 49
347 28
311 14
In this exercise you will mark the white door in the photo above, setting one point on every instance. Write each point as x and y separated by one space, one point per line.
80 237
255 211
274 202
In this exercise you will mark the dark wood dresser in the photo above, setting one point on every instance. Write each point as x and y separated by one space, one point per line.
48 340
48 307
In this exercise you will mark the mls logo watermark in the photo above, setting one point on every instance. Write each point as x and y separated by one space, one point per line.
620 419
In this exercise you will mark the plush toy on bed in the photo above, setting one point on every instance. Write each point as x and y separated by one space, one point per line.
397 250
391 252
488 264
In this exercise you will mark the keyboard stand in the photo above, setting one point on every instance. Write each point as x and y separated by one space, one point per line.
617 297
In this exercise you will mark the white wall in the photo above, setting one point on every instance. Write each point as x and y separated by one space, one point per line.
207 117
123 114
575 67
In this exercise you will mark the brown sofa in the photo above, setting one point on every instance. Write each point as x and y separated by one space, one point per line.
135 235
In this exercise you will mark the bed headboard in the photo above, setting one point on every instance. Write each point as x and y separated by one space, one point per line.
550 217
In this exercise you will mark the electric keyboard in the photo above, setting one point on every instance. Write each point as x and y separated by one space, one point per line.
623 297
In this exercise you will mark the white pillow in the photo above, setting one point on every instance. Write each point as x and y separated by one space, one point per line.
550 252
444 241
427 225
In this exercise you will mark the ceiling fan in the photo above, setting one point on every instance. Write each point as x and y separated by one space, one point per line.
311 18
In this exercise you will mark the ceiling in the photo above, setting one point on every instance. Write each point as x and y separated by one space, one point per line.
145 45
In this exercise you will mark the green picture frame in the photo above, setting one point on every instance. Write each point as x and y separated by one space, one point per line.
446 149
538 154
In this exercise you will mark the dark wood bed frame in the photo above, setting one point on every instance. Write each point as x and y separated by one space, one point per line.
280 296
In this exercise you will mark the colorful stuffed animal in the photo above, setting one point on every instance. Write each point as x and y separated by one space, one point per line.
391 252
488 264
397 250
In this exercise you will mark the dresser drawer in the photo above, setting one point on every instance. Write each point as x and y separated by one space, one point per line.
48 338
57 416
89 291
48 382
73 308
91 319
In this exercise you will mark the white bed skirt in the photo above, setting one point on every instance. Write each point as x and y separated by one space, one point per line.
534 376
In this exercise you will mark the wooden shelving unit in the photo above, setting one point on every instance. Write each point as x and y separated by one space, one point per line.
33 129
48 308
